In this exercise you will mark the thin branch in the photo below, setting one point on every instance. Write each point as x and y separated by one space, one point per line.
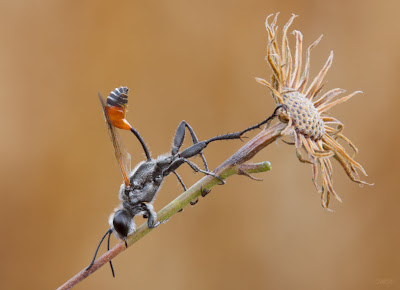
233 165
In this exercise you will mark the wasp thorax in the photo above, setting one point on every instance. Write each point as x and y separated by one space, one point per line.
304 115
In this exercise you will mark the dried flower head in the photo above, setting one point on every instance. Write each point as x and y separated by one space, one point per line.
307 123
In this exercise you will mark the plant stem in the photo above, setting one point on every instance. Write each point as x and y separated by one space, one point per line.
233 165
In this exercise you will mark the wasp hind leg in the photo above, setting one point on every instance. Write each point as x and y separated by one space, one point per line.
180 136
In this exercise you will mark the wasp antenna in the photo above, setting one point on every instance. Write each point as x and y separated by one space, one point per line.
109 231
146 151
108 248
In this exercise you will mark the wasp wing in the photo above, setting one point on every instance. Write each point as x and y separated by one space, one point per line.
122 155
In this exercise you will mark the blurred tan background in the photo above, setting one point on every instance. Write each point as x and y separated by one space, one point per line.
192 60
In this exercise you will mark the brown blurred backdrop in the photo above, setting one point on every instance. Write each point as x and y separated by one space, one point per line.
192 60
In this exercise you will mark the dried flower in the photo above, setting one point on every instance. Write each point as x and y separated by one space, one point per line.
307 123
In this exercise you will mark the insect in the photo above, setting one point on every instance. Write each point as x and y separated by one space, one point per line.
140 186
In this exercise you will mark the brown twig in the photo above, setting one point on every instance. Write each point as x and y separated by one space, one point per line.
233 165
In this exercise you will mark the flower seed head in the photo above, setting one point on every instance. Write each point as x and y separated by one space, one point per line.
305 117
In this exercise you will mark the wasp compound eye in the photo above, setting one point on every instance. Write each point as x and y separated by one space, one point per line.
122 221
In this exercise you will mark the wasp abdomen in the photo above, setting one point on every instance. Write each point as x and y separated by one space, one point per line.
118 97
117 101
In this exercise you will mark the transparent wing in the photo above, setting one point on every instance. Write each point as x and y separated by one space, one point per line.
122 155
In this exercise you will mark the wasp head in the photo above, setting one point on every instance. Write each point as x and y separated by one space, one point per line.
122 224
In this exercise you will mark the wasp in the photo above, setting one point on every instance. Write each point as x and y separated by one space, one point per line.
139 189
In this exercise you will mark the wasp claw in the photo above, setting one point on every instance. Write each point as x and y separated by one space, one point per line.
193 202
204 192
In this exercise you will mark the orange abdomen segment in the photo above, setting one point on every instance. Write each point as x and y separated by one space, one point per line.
117 117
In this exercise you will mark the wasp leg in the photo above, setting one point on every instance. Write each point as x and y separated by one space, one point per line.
152 216
180 180
266 121
204 191
197 169
193 202
198 147
180 136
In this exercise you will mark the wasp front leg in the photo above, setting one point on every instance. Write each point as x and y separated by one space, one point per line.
151 215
